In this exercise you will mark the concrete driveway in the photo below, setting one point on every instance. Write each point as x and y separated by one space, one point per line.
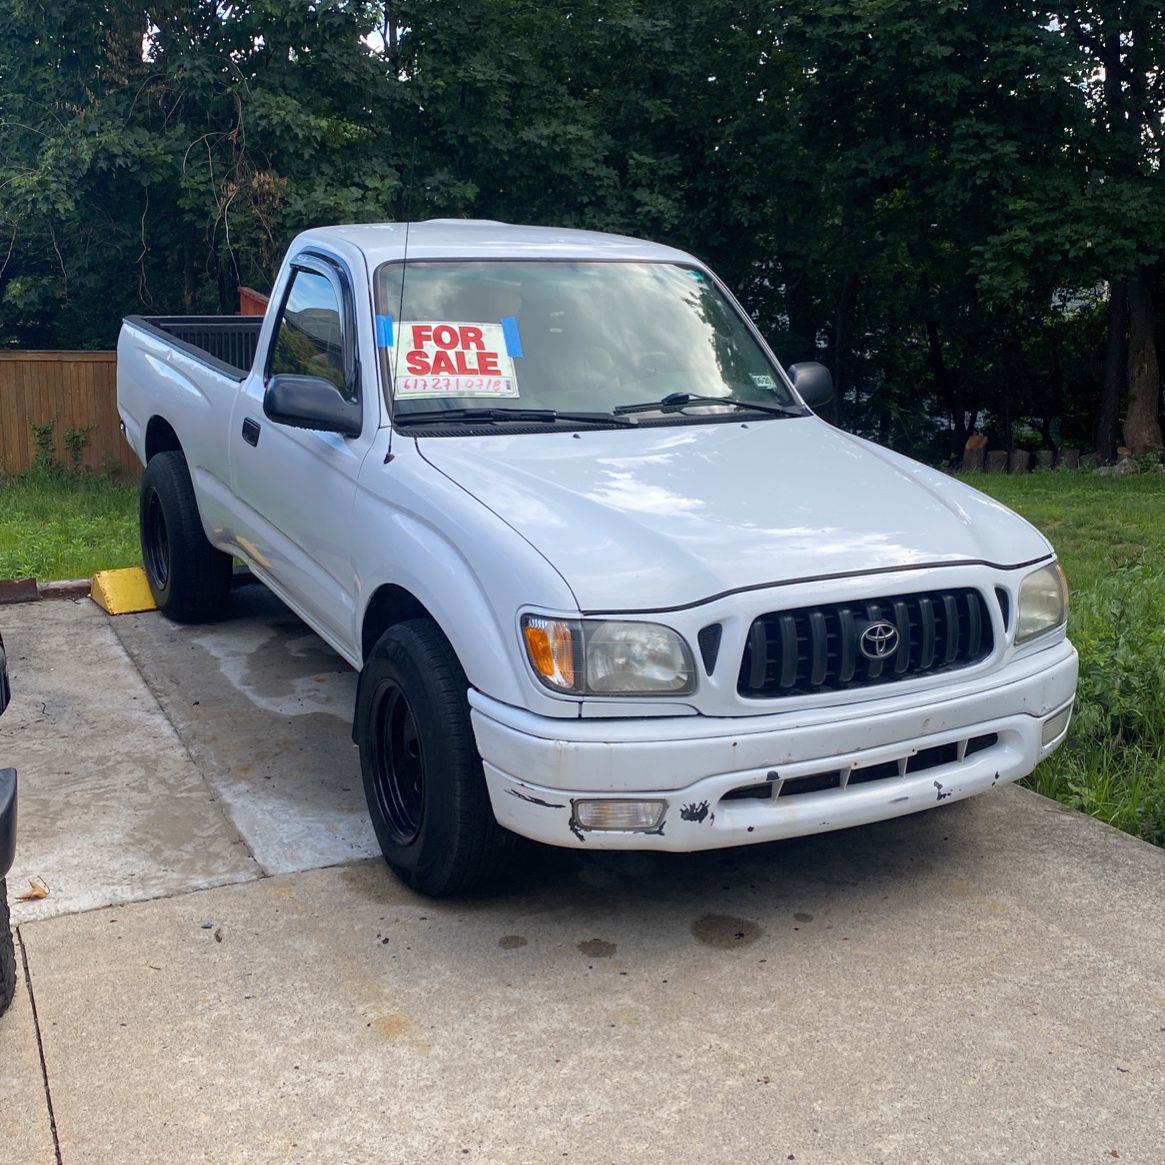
224 969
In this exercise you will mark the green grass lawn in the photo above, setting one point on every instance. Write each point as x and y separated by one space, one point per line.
1110 536
1109 533
1095 523
57 524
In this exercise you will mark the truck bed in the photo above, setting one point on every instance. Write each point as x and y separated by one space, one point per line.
227 343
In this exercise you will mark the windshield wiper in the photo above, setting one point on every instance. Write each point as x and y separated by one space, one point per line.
677 401
512 416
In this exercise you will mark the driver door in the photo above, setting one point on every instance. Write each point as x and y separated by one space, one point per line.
296 487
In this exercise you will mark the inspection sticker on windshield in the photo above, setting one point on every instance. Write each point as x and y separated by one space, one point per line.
453 359
763 381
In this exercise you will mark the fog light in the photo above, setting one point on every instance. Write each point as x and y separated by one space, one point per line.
1055 725
640 815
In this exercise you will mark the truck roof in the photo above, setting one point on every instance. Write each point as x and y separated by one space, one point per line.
455 238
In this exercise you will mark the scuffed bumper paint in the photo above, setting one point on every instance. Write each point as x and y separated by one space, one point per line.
537 768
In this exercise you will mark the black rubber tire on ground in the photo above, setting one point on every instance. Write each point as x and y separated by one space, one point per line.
189 579
7 952
422 773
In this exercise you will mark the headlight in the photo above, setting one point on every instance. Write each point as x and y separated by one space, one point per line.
1043 602
601 657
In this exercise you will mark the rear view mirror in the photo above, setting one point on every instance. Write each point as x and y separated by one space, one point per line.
311 402
813 382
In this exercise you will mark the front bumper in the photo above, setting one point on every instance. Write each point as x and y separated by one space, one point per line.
737 780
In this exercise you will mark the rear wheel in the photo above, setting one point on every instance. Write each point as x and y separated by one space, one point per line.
422 775
189 579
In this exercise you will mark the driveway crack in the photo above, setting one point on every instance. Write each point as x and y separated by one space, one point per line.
44 1072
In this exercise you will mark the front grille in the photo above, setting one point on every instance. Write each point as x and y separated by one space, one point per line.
819 649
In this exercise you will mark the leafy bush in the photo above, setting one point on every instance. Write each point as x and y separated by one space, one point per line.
1113 763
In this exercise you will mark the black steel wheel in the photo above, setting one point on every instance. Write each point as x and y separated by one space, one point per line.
422 775
189 579
400 765
155 542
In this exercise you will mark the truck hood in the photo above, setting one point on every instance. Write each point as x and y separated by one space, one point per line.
651 518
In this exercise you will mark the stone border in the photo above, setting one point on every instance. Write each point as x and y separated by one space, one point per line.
28 590
977 458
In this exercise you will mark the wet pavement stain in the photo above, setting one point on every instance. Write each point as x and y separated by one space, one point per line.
511 942
597 948
272 668
391 1025
801 916
724 931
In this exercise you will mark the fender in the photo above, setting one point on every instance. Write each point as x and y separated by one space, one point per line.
469 570
155 380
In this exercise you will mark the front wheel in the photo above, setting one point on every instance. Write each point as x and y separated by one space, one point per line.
422 774
189 579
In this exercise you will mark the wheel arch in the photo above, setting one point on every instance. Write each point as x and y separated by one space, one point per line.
390 604
468 626
161 438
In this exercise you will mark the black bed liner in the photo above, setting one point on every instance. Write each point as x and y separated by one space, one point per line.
227 343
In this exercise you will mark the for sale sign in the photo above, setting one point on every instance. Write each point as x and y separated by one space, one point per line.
453 359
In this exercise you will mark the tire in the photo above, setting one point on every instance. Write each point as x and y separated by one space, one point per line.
189 579
422 775
7 952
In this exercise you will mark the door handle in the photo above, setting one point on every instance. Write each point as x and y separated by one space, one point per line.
250 431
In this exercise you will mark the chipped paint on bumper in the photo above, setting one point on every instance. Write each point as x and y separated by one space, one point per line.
536 767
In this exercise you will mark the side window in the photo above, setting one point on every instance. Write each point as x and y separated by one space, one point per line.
309 338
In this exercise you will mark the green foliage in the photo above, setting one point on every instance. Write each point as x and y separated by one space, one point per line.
1097 524
59 524
1108 534
1113 763
45 460
1119 627
75 442
159 182
931 197
45 457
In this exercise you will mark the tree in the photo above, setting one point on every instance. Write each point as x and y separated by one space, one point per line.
1098 214
160 156
930 197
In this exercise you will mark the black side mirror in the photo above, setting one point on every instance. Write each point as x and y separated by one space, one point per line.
311 402
813 382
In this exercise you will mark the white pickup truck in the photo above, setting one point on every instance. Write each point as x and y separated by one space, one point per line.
608 581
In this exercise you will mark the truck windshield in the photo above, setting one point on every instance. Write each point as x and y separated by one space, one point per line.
565 336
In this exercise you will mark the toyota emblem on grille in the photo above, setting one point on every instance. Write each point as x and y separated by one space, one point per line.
879 640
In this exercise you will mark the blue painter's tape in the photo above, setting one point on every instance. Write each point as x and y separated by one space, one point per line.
513 340
384 331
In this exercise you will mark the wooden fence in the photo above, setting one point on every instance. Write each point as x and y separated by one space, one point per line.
74 392
252 302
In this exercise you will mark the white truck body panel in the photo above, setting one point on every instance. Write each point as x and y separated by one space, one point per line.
659 518
686 525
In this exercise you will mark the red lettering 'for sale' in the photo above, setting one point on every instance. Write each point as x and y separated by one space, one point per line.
456 363
448 336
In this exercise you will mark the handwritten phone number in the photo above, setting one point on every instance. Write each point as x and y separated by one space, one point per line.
455 386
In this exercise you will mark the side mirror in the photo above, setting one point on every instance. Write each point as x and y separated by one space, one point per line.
813 382
311 402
